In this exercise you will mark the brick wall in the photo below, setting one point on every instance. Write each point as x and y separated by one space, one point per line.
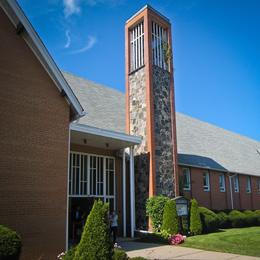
33 149
217 200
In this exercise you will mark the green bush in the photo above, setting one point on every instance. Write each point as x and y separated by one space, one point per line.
257 214
119 254
195 220
95 241
154 209
237 218
70 254
251 218
209 219
223 220
170 218
10 244
138 258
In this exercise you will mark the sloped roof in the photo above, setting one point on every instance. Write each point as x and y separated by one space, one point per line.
203 144
199 144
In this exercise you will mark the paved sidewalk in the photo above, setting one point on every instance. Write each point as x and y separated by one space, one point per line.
157 251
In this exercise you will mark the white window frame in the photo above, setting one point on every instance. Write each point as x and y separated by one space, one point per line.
186 171
248 184
106 197
236 184
205 175
137 46
222 183
159 38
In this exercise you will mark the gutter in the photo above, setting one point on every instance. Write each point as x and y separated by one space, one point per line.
230 187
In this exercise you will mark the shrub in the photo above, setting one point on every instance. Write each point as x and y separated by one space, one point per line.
170 218
138 258
195 221
70 254
10 243
154 209
223 220
251 218
237 218
209 219
257 214
95 241
119 254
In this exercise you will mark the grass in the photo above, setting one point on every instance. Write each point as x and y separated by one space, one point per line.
243 241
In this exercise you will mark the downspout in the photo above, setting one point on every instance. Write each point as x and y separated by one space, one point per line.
231 190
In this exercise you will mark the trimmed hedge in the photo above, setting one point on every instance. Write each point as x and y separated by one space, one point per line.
119 254
70 254
223 220
154 209
209 219
95 241
10 244
195 220
170 218
237 218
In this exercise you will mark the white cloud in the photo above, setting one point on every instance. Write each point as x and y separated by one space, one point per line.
90 43
71 7
68 42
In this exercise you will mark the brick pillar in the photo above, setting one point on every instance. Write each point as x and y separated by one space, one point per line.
150 108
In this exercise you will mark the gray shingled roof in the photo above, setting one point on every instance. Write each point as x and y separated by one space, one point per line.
199 143
104 106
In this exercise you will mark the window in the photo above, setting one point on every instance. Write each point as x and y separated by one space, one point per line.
236 184
186 179
137 47
159 46
222 183
248 184
258 185
206 185
92 176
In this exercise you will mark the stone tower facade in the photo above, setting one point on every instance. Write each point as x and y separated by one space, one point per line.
150 108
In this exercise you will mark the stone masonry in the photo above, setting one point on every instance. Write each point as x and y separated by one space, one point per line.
138 115
163 132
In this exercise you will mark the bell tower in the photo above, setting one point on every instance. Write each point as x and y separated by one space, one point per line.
150 106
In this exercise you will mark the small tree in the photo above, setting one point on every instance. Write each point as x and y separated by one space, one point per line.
95 242
195 221
170 218
154 209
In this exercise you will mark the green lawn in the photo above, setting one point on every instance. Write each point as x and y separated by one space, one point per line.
243 241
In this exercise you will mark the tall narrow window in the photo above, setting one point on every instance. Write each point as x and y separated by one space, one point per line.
258 185
222 183
206 184
236 184
137 47
186 179
159 46
248 184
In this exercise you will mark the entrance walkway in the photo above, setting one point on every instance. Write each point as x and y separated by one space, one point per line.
157 251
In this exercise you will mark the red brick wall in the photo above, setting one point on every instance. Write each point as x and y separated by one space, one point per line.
255 192
217 200
33 149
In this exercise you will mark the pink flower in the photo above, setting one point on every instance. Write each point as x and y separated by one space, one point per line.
176 239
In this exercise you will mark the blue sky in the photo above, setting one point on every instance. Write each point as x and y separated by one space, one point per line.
216 47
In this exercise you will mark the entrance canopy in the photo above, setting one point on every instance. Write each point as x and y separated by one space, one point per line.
101 138
101 169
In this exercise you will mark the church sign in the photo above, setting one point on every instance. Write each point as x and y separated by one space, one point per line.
181 206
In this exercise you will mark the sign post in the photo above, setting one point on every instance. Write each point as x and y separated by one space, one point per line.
182 209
